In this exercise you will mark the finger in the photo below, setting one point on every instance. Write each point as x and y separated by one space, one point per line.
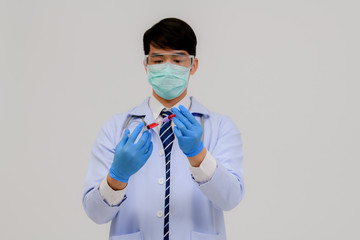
136 132
180 126
177 133
182 118
147 155
187 114
124 139
147 144
144 137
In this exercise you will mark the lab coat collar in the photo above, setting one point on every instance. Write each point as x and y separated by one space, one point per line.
156 106
143 110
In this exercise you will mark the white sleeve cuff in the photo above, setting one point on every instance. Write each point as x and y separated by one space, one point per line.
111 196
206 169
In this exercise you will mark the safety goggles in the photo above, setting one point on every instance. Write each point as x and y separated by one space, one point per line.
174 58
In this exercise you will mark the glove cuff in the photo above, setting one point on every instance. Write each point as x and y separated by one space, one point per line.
197 150
112 174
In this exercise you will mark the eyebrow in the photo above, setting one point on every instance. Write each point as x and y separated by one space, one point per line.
180 53
162 54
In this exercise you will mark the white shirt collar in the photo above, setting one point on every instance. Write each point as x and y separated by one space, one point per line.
156 107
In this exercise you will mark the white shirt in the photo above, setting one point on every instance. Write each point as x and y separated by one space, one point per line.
201 174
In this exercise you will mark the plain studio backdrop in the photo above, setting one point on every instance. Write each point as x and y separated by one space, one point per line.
286 72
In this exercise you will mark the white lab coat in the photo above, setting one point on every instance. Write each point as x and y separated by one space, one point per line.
196 209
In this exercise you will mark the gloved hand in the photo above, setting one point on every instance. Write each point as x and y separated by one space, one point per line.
188 132
130 156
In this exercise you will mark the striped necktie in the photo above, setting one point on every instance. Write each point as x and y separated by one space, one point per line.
167 138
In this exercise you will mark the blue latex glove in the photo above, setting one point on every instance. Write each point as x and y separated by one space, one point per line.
130 156
188 132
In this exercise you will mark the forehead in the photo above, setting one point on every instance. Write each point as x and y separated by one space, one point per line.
155 50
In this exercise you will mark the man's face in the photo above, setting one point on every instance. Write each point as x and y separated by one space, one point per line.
167 58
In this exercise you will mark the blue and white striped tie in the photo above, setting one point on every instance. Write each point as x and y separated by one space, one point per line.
167 138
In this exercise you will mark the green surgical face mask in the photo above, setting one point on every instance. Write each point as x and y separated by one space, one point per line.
168 80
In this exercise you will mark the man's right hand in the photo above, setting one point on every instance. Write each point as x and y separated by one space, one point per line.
130 156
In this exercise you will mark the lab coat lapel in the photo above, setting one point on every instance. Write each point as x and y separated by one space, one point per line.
143 110
198 108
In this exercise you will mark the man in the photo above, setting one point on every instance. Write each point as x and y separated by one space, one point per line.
172 181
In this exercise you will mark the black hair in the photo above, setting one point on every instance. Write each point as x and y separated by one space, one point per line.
170 33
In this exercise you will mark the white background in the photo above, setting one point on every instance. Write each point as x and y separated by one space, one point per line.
287 72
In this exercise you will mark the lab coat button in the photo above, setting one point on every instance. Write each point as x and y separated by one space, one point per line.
161 152
161 181
159 214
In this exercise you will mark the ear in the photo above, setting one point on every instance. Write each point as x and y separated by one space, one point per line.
145 66
195 66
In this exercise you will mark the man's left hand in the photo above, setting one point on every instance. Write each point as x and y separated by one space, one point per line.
188 132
